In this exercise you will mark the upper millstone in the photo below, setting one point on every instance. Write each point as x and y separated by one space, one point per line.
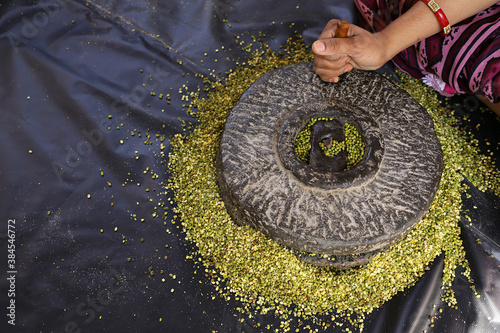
312 207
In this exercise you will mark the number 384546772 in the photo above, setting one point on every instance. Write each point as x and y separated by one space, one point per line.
11 247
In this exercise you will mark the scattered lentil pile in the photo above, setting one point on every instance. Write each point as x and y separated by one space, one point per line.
265 277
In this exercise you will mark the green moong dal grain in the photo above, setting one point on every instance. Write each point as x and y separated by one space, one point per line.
353 143
265 277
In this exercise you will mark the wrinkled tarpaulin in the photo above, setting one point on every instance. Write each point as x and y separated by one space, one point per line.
65 67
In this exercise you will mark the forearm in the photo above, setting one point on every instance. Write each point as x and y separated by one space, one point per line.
419 22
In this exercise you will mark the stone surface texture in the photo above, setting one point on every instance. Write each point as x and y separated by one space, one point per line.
358 211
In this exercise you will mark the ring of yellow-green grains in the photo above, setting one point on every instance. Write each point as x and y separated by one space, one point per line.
262 274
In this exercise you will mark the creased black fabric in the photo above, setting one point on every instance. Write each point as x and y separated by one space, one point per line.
67 66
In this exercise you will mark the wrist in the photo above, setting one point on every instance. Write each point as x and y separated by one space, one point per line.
389 46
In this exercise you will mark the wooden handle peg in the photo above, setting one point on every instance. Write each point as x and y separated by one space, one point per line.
342 29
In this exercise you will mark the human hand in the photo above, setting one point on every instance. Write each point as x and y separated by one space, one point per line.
335 56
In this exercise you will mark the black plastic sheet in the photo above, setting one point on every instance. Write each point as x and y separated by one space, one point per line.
75 91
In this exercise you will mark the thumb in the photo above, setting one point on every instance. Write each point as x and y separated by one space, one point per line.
329 46
318 47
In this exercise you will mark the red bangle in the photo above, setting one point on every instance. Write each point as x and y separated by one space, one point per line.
441 17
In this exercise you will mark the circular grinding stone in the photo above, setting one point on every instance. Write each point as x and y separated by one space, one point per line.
307 206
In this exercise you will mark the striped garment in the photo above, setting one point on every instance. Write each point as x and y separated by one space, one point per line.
466 61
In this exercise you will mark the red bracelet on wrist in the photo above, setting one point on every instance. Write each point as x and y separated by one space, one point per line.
441 17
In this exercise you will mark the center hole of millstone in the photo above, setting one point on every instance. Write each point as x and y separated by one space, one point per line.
330 144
